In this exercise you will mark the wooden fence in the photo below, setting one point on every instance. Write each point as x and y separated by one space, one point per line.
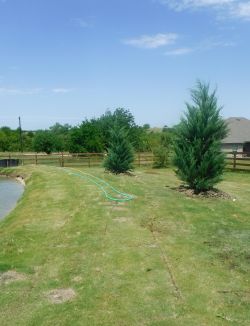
72 159
234 160
238 161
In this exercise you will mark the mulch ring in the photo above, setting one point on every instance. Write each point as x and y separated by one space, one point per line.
213 193
128 173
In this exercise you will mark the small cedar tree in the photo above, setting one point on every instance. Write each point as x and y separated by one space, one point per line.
198 156
120 151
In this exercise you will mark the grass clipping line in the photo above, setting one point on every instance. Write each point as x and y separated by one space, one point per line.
166 262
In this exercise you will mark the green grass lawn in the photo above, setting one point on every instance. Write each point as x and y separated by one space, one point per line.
161 259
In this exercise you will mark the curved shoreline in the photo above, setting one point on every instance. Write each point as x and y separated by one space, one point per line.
12 188
18 178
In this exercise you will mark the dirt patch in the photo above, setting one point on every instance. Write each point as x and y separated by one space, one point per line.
11 276
214 193
58 296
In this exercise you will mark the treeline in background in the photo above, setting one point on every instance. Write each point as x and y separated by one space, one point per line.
92 136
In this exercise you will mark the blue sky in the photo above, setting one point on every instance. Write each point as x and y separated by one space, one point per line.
66 60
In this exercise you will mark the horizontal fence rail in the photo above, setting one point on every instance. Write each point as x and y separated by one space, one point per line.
71 159
238 160
234 160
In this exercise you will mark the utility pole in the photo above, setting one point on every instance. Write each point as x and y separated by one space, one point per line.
20 135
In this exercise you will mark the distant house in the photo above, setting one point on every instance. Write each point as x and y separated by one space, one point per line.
238 138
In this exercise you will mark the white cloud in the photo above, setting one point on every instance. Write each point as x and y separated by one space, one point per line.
179 51
206 45
223 8
19 91
194 4
152 41
61 90
242 10
211 44
32 91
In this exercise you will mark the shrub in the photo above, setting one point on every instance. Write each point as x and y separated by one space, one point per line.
162 151
161 157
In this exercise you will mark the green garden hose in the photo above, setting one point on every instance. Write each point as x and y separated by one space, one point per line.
101 184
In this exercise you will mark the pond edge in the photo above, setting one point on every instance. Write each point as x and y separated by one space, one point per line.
18 178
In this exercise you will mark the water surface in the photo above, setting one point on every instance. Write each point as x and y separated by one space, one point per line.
10 192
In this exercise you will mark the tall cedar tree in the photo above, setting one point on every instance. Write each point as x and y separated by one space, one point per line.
198 156
120 152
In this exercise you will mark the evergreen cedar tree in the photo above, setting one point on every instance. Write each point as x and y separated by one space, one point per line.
120 151
198 156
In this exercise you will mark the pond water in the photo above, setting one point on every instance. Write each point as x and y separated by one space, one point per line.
10 192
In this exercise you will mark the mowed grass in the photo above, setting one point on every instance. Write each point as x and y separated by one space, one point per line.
161 259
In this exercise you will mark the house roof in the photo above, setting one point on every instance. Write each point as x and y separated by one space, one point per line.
239 131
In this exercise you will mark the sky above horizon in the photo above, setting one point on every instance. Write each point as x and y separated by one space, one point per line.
67 60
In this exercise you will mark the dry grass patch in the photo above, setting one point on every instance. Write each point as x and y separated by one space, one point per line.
11 276
58 296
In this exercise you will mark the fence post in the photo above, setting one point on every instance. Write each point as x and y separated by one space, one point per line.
89 160
36 158
62 164
139 159
234 160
